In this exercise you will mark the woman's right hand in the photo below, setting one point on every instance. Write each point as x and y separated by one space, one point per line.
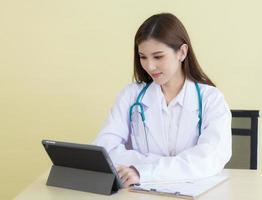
128 175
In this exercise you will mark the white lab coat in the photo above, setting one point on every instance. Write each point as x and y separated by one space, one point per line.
196 157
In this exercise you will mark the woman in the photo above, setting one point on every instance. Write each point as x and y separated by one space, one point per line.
173 123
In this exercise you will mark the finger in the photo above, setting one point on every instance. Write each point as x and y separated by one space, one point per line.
125 174
120 167
131 180
130 177
122 172
125 185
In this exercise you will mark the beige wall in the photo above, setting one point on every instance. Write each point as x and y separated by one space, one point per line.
62 62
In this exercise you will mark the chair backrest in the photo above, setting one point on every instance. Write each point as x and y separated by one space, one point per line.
244 139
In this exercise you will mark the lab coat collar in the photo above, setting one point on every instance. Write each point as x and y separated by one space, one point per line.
154 119
179 98
189 116
190 97
187 97
152 95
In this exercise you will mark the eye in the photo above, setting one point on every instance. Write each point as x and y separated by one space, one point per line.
158 57
142 57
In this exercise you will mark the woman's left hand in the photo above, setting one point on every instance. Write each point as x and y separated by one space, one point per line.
128 175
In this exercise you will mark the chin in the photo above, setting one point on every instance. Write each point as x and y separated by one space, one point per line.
159 82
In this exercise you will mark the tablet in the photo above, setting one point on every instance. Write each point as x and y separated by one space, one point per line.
80 156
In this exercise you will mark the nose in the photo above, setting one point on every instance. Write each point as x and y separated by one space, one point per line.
150 65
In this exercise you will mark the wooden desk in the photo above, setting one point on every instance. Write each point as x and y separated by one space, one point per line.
242 185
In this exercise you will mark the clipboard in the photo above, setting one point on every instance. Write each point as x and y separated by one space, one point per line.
187 189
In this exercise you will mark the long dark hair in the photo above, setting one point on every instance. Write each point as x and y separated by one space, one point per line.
168 29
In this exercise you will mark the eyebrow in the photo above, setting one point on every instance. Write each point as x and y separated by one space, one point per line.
157 52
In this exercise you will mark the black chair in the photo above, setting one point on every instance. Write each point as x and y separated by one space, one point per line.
244 139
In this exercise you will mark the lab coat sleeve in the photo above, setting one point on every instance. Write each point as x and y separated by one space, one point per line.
207 157
114 136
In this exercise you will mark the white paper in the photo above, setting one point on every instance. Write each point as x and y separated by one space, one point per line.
189 188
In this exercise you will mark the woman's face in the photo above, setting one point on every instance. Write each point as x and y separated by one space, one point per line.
160 61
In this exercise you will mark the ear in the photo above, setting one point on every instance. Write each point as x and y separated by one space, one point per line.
183 52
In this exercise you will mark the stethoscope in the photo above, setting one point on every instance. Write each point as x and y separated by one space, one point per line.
139 105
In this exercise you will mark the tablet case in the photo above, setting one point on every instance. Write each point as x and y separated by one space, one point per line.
79 179
82 180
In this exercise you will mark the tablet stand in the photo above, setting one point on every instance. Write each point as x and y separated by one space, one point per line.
83 180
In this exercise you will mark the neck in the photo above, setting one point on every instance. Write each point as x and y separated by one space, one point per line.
172 88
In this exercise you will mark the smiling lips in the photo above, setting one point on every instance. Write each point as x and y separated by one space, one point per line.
157 75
